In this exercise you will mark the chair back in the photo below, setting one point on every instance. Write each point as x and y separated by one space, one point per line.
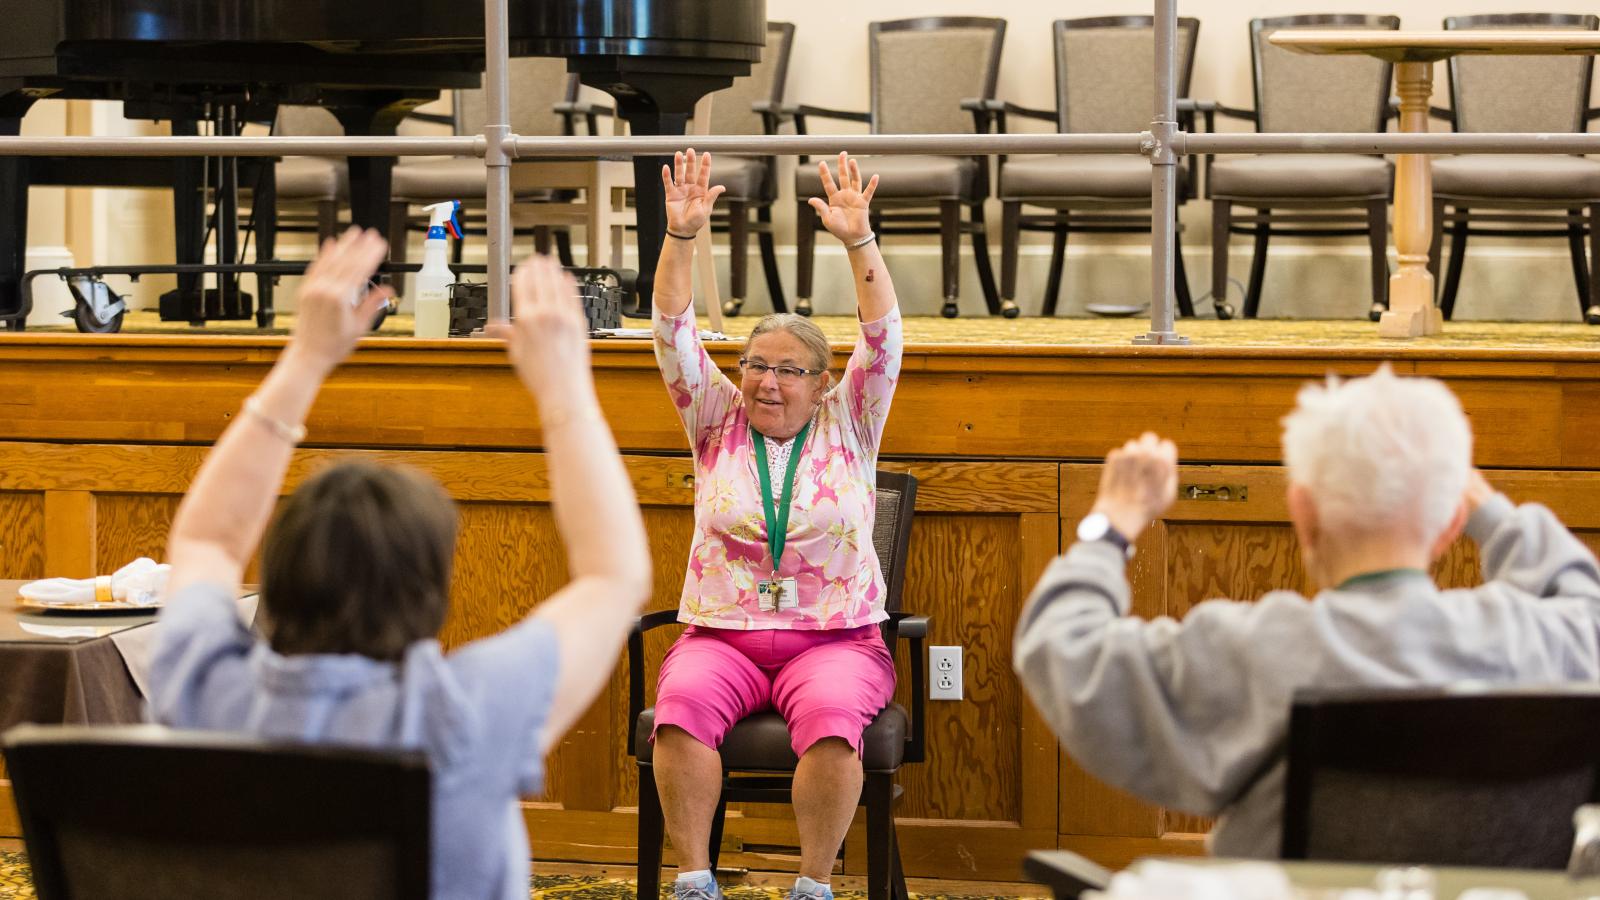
891 531
1521 93
1105 71
767 82
117 813
305 121
1440 777
921 70
537 84
1305 92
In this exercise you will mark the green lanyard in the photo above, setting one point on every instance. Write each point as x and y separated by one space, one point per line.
777 519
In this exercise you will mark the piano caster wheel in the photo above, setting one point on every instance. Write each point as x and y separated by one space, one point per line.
88 324
1224 311
1009 309
1591 316
802 308
950 310
732 307
1378 309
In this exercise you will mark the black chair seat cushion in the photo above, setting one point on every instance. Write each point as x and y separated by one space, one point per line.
744 177
1520 176
1108 176
312 178
1302 176
760 743
905 177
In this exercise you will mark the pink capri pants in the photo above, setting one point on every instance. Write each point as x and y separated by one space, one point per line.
823 683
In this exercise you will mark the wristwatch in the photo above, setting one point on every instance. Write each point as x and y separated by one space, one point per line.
1097 526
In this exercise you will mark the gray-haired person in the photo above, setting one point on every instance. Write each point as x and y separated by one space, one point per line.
1192 714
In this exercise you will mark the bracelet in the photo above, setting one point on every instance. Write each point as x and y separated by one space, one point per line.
871 236
560 417
293 434
681 237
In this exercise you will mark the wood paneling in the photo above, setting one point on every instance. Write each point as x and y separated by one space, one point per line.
22 545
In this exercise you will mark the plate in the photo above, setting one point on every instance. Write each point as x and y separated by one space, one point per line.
87 607
1115 310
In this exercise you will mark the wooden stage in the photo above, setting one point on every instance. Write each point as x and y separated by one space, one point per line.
105 433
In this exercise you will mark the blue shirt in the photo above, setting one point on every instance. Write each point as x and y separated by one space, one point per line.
478 714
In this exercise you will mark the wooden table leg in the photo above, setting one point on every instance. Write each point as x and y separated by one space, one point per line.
1412 312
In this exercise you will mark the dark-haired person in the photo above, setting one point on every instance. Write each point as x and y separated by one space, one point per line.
783 593
356 573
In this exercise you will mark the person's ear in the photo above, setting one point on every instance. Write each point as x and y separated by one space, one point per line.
1303 515
1442 543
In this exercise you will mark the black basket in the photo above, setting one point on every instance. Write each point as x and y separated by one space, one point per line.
602 291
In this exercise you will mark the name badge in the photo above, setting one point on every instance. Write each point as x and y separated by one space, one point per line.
777 594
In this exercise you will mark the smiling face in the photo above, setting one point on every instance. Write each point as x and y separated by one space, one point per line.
778 409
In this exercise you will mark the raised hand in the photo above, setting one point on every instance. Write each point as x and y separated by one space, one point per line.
548 339
845 212
1138 483
690 192
336 306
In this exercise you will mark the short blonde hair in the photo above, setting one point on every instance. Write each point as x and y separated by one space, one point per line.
802 328
1380 453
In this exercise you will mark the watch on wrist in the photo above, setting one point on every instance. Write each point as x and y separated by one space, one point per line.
1097 526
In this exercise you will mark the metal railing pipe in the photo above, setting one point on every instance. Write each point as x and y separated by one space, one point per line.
1444 143
1163 179
242 146
826 144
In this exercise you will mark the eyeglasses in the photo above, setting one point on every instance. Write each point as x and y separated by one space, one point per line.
785 374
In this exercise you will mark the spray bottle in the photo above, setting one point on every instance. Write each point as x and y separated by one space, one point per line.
433 282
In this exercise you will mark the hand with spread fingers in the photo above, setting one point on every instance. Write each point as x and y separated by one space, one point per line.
548 339
1138 483
689 192
846 211
336 304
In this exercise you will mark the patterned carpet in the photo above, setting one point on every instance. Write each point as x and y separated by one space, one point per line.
1113 332
15 884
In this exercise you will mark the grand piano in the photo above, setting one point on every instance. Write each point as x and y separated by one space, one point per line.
209 66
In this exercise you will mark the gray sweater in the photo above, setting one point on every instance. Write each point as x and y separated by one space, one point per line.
1193 715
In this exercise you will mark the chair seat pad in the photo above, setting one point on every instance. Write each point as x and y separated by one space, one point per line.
1517 177
454 178
904 177
745 177
1110 176
1307 176
312 179
760 743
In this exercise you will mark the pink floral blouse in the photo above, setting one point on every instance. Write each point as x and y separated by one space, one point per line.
828 548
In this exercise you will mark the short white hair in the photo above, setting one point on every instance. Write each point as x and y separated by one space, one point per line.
1380 453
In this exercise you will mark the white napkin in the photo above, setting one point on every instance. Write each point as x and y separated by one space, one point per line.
139 583
1162 880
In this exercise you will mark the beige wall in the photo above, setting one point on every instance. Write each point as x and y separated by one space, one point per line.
1524 279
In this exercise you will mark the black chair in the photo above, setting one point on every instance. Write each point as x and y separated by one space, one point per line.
759 744
1440 777
1065 873
116 813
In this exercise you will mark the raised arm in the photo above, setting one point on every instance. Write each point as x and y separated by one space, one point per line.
690 196
846 213
1527 546
221 519
595 509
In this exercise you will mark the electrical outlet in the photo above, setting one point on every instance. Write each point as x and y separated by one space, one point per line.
944 667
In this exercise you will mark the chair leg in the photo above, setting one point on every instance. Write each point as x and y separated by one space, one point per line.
980 255
1180 283
805 245
541 239
718 820
327 220
265 213
769 259
1591 315
878 793
1258 266
1010 235
1378 239
1058 259
652 831
1436 246
950 254
897 883
738 257
1580 265
563 237
399 212
1458 255
1221 220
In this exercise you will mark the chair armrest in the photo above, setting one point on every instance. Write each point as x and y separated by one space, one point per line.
1067 874
1246 115
1589 115
433 118
773 115
646 622
915 629
822 112
571 111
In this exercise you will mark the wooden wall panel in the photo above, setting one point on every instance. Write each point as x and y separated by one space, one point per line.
22 546
128 526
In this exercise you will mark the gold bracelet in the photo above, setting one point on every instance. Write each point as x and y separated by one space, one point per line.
293 434
560 417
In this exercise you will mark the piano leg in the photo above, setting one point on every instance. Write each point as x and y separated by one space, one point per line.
264 211
13 221
189 227
649 198
371 176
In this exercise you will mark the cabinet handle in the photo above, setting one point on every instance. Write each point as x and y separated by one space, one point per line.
1226 493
